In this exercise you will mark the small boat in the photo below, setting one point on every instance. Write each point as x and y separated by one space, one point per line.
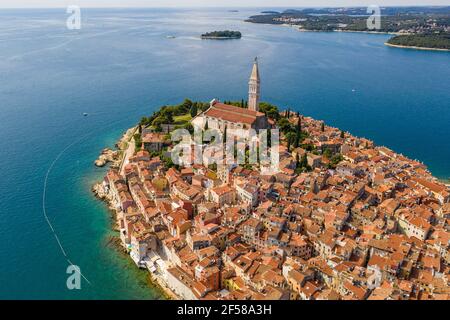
85 114
170 37
353 90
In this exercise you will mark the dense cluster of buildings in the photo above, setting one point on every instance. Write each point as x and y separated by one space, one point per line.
376 226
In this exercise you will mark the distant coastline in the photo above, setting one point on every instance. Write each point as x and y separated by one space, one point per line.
370 32
421 28
340 30
415 47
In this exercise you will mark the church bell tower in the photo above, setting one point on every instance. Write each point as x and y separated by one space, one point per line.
254 88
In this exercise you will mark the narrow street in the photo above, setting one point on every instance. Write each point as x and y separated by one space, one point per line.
128 153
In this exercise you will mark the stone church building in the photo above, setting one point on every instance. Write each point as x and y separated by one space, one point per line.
220 115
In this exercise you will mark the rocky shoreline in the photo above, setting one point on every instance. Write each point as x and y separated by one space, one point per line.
107 155
154 281
117 157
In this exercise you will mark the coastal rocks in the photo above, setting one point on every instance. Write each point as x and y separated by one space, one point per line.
114 242
107 156
115 156
122 144
100 162
99 191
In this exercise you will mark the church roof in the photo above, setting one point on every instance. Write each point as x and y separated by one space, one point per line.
232 114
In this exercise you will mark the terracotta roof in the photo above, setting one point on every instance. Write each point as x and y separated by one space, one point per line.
420 223
221 190
153 138
233 114
430 185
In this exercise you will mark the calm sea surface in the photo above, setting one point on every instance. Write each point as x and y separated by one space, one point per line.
121 65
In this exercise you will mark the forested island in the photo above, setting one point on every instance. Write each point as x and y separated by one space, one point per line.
422 41
418 27
227 34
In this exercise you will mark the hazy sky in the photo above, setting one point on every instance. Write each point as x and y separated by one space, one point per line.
214 3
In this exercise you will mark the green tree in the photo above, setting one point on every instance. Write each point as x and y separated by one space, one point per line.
166 115
298 136
269 110
168 162
194 110
327 153
157 127
304 160
290 138
187 103
204 106
137 141
334 161
159 121
144 121
284 125
322 127
342 134
302 164
189 127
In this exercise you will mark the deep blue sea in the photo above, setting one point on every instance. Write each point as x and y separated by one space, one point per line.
120 66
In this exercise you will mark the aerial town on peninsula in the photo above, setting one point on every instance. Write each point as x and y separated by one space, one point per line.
342 219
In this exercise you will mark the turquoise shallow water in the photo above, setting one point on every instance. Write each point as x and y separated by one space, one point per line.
120 66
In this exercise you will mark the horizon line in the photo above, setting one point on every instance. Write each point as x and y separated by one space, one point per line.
213 6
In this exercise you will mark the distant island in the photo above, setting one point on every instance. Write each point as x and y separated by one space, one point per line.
221 35
270 12
414 27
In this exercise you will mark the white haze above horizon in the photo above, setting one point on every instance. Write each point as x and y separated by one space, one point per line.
215 3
